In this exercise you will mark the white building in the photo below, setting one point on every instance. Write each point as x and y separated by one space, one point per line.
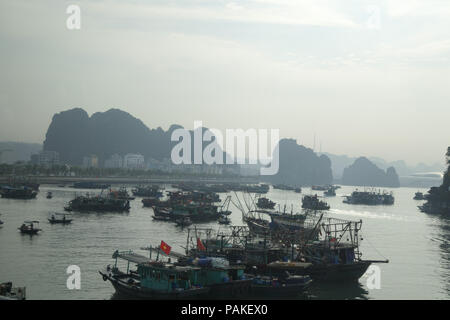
115 161
45 158
90 161
133 161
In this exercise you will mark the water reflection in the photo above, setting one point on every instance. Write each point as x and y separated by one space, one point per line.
444 246
337 291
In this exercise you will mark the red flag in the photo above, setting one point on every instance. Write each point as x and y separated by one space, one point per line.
200 245
165 247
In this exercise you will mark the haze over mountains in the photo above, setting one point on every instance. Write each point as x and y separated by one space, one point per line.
74 134
363 172
340 162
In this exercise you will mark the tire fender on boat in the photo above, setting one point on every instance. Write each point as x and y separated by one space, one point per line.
105 277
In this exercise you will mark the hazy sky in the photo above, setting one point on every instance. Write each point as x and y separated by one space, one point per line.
367 77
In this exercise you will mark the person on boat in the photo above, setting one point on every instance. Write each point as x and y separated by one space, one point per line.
53 217
64 218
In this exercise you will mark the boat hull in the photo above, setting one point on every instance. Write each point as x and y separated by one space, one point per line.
332 272
124 290
273 292
338 272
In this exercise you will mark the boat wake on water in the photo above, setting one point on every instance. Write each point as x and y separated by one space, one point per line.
372 215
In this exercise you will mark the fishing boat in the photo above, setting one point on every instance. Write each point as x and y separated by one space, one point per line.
29 227
161 218
59 218
223 210
90 185
147 191
370 198
183 222
153 279
206 277
335 256
224 220
265 203
122 194
262 188
49 195
8 292
97 204
419 196
197 212
321 188
23 193
151 201
314 203
330 193
283 187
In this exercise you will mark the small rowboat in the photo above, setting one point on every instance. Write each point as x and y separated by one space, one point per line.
28 227
56 218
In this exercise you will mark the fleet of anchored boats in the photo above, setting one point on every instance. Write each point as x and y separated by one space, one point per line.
278 253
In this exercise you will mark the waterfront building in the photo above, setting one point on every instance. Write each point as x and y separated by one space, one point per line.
115 161
134 161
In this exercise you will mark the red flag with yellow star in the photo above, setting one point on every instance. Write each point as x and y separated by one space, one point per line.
200 245
165 247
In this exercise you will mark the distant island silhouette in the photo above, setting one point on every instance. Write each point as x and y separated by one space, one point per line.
363 172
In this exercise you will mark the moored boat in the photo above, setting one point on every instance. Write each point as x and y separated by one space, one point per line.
147 191
23 193
265 203
90 185
314 203
8 292
370 198
419 196
188 278
98 204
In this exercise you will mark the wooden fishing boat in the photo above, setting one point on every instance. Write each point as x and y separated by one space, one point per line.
155 279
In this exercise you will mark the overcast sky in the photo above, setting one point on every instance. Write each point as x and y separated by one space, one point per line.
366 77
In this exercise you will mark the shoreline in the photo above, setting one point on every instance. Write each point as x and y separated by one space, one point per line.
129 180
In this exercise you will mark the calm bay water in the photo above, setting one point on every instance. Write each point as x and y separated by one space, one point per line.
416 244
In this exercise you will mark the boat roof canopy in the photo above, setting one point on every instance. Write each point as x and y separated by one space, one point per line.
131 257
